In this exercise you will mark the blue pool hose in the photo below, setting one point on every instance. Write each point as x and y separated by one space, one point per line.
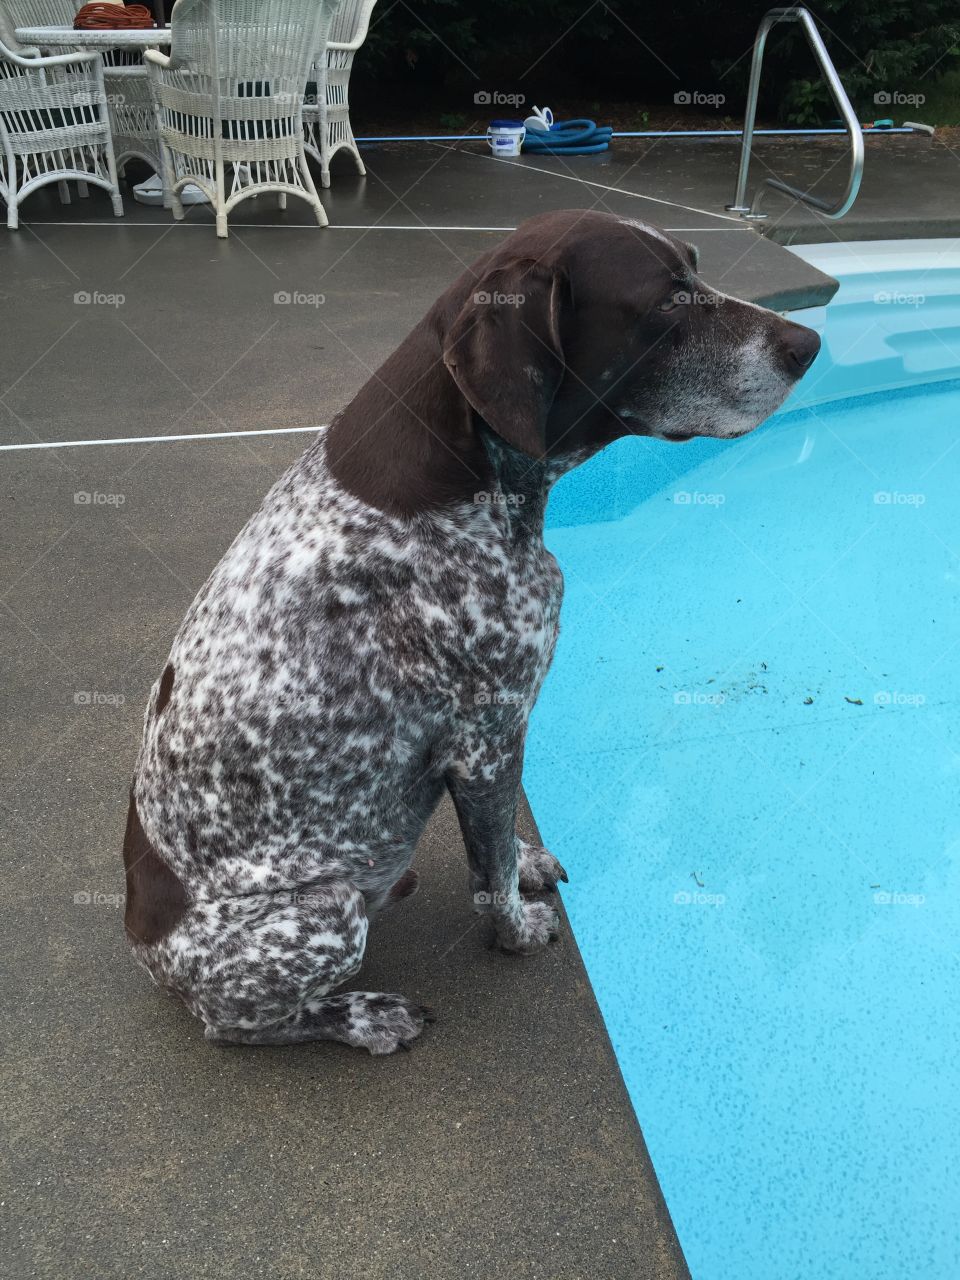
568 138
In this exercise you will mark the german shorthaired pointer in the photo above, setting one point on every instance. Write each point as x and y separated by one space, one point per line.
381 627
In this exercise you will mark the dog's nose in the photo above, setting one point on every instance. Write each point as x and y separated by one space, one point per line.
801 346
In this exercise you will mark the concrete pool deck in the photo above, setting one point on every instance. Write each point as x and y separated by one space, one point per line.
504 1144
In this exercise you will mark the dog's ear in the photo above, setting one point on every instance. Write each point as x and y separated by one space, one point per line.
503 351
694 253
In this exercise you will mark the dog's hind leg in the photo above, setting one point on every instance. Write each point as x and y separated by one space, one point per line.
258 969
376 1021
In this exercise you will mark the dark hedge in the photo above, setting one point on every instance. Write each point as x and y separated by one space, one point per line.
628 51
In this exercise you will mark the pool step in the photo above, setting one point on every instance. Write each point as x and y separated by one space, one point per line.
883 330
871 348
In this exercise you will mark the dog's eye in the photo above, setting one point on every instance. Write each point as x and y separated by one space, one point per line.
675 300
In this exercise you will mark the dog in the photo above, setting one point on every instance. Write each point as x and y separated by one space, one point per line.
380 629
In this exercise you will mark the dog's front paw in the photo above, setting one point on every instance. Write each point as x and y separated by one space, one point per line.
538 868
383 1023
537 925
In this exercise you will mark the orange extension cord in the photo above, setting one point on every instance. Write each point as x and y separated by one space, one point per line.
115 17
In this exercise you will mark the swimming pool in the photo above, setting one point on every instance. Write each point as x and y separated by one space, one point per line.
747 754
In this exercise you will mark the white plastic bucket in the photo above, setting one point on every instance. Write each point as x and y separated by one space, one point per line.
505 137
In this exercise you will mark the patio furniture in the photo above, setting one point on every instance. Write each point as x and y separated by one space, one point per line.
230 96
327 119
54 124
132 116
19 13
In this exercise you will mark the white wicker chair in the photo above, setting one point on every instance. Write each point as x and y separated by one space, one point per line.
38 13
231 95
326 120
132 118
54 124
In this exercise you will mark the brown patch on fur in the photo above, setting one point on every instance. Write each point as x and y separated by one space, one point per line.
166 688
405 886
155 897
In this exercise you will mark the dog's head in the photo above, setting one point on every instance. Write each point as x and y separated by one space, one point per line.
583 327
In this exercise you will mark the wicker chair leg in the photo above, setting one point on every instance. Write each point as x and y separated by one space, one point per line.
318 209
166 175
9 185
64 189
324 132
83 191
115 197
281 199
221 204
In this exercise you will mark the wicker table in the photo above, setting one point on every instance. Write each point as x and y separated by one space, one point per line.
68 38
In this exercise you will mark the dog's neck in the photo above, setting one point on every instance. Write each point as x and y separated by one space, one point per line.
406 442
519 487
409 442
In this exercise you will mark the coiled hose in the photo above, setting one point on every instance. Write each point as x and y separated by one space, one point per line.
568 138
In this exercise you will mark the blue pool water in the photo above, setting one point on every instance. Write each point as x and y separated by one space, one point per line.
747 755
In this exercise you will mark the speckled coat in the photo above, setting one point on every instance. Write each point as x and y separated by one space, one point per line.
381 627
336 667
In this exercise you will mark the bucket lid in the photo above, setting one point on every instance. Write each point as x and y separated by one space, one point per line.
506 124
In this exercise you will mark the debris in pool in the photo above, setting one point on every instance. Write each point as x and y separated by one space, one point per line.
659 668
697 879
854 702
808 702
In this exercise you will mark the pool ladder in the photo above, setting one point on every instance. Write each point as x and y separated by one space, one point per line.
836 210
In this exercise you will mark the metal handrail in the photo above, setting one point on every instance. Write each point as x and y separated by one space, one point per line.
752 211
